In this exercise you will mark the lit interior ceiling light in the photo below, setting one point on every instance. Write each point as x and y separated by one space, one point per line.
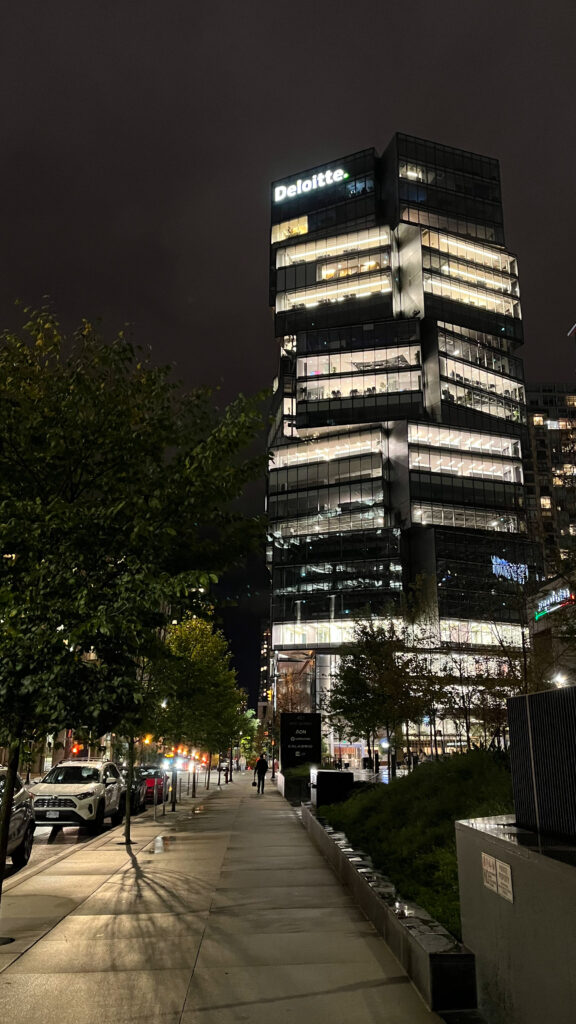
472 248
487 282
351 246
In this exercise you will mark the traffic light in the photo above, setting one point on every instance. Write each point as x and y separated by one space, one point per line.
269 693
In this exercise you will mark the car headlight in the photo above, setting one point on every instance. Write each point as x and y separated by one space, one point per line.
84 796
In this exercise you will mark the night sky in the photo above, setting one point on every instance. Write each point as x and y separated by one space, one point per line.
139 139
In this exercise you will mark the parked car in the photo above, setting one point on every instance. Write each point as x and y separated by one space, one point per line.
139 788
21 827
80 793
159 778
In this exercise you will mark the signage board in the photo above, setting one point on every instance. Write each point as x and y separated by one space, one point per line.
516 571
489 872
300 738
497 876
554 600
303 185
504 875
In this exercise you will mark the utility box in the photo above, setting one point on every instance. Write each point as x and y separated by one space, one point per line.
542 730
329 787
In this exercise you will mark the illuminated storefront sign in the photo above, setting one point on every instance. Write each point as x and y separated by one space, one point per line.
553 601
516 571
319 180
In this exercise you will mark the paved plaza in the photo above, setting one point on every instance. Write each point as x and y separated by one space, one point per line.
221 912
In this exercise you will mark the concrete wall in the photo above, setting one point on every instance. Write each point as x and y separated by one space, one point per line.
526 949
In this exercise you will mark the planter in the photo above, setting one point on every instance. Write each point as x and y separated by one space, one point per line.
296 791
441 968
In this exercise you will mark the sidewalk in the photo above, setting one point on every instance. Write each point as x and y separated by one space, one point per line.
222 912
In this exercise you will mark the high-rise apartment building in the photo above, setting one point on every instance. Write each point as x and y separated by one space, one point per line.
399 407
550 469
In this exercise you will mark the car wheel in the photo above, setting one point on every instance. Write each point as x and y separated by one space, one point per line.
21 854
97 824
118 816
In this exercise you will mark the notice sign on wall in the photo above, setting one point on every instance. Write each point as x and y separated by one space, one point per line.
497 876
300 739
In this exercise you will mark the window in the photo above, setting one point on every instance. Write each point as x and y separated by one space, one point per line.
493 258
460 464
545 501
335 447
334 291
333 521
446 288
289 229
475 377
339 245
463 440
361 361
465 517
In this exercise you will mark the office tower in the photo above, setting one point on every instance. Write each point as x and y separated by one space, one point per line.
399 408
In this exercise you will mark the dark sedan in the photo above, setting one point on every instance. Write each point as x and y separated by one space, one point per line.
139 790
21 827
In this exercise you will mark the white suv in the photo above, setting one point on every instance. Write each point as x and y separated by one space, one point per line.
80 793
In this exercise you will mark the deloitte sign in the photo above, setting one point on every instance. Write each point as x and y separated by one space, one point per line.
319 180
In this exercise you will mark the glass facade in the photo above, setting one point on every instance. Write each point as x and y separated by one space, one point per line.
399 409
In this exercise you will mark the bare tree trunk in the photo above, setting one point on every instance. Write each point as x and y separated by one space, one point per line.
128 807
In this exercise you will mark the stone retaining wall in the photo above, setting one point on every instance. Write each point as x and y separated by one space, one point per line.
441 968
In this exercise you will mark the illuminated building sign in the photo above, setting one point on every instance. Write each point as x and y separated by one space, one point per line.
553 601
516 571
319 180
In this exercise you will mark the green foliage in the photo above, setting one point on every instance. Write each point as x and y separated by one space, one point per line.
407 827
300 771
116 498
203 703
372 688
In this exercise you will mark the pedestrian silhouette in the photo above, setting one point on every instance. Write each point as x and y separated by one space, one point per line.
261 768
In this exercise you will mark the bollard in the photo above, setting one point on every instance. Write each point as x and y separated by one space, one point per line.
155 797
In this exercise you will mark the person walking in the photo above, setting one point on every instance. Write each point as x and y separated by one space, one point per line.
261 768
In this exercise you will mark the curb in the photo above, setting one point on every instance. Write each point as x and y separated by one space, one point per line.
93 844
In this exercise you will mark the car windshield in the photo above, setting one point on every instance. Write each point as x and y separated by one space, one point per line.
71 773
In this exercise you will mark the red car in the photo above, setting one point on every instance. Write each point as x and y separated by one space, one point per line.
156 777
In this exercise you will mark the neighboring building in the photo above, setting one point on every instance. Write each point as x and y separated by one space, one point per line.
265 706
553 629
399 409
551 469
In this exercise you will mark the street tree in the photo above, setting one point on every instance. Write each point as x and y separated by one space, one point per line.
372 688
203 704
117 494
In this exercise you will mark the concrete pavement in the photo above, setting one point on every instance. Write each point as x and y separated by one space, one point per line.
221 912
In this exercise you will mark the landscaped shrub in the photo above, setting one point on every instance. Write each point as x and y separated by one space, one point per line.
407 827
